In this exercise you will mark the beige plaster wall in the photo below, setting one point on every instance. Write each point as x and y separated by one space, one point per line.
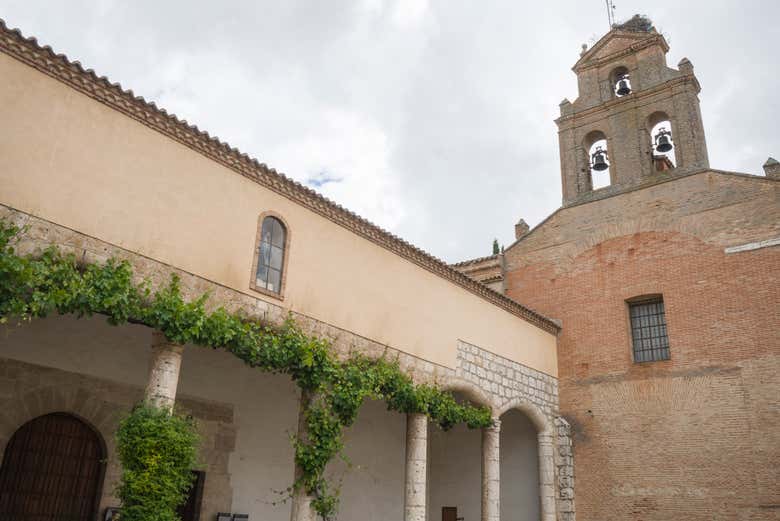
78 163
454 472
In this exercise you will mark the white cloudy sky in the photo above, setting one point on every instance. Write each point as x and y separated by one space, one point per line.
432 118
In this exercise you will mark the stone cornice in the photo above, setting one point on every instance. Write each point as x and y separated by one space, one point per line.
644 40
59 67
634 97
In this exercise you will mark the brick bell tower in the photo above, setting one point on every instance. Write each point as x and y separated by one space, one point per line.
635 119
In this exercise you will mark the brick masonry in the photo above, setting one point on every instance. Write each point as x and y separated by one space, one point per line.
688 438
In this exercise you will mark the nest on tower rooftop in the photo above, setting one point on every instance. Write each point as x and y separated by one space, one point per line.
637 24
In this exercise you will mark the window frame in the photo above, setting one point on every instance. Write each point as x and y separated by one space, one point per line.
647 299
256 256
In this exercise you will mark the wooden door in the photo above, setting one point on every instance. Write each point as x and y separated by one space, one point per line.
449 513
52 471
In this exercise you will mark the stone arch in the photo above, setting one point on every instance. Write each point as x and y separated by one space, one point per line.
471 391
592 137
538 418
545 448
81 403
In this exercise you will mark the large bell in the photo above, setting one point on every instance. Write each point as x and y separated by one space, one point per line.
599 158
622 87
663 141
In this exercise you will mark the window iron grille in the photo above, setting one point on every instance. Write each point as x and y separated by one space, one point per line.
648 330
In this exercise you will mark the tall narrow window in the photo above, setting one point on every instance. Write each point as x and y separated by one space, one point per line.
270 255
648 329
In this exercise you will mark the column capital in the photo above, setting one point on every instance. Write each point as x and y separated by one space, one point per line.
495 426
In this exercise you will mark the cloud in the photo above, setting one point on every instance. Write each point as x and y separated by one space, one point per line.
433 119
322 178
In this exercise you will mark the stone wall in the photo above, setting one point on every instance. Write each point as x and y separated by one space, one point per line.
28 391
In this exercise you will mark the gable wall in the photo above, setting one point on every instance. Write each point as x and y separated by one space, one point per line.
687 438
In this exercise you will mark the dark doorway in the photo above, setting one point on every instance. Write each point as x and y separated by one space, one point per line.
190 510
52 471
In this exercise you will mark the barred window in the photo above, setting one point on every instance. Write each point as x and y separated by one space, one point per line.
270 255
648 329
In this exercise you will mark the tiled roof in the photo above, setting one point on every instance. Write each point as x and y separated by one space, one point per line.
475 261
58 66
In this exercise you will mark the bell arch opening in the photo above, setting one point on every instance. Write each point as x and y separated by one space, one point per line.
595 143
620 81
664 151
53 468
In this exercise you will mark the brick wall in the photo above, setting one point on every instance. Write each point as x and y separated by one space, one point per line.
694 437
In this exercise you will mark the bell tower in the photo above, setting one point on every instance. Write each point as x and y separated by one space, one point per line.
635 119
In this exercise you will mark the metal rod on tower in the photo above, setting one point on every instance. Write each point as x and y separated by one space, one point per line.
610 13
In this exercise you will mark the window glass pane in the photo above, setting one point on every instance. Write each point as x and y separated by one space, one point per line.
276 258
277 238
265 254
268 225
274 280
262 276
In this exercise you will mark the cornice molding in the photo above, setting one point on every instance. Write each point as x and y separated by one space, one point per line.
59 67
629 101
644 40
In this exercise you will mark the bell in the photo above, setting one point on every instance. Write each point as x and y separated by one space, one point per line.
599 160
663 142
622 87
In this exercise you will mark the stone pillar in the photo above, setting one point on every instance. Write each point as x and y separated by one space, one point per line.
547 476
416 467
491 472
164 368
301 500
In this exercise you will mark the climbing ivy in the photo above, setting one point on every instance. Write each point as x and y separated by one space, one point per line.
333 389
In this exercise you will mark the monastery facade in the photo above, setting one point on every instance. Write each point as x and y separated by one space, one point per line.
627 346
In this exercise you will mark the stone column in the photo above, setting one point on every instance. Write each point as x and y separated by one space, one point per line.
301 500
546 476
416 467
491 472
164 368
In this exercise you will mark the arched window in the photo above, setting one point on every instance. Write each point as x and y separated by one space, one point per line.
270 255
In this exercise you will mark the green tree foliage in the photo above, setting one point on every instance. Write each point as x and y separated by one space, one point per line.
35 286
